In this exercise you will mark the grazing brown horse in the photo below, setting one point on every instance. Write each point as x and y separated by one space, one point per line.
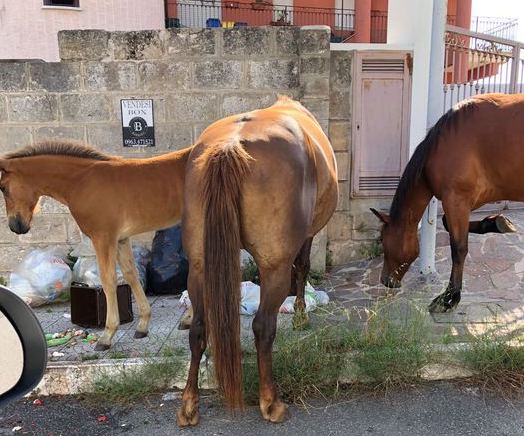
110 198
265 181
472 156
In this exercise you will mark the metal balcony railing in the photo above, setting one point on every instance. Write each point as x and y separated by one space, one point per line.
506 28
218 13
209 13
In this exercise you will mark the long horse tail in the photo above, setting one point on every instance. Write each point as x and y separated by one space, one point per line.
225 166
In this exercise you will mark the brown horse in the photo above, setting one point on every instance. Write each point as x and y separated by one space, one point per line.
266 181
472 156
110 198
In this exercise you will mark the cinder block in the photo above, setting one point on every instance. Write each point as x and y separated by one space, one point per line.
54 76
107 137
247 41
76 45
192 107
202 42
111 76
340 226
343 251
33 108
218 74
318 251
236 104
6 235
85 107
319 107
137 45
3 108
13 137
314 85
46 229
287 39
76 132
343 165
343 196
165 75
74 235
340 135
49 205
314 65
273 74
173 136
190 42
340 106
314 40
13 76
340 71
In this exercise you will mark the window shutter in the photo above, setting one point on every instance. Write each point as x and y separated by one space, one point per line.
381 109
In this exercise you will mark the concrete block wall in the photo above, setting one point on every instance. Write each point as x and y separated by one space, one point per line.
194 76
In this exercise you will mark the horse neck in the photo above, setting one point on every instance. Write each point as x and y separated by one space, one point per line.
413 206
54 175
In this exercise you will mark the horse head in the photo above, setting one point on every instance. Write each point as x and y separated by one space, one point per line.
20 197
400 244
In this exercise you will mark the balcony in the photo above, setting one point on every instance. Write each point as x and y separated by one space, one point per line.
209 13
506 28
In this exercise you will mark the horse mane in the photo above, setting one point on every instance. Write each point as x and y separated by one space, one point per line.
414 170
59 148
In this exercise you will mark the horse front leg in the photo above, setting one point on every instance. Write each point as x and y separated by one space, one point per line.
458 217
188 413
274 289
301 268
130 272
106 252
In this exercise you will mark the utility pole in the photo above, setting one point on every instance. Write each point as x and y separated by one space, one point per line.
428 224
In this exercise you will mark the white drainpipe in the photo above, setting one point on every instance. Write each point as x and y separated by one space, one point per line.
428 224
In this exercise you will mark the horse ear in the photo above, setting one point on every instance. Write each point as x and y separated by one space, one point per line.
381 216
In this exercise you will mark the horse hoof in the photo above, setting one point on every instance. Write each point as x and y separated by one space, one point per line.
438 305
504 225
186 421
102 347
276 412
140 335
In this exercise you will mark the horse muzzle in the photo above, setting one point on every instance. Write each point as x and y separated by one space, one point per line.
18 226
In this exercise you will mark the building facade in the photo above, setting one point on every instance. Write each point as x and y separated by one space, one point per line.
29 28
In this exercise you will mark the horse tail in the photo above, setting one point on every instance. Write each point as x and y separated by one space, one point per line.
225 166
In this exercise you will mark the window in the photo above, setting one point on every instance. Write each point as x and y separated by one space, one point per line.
67 3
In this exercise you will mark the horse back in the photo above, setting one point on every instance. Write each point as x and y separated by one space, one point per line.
480 150
291 185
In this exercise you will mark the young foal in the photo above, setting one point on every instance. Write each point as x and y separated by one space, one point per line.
266 181
110 198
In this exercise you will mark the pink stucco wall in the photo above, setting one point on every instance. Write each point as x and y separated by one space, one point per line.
29 30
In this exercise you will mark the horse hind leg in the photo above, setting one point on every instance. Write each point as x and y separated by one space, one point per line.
298 285
491 224
188 414
128 266
274 289
458 216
